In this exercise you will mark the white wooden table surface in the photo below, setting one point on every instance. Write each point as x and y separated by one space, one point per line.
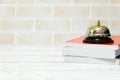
48 64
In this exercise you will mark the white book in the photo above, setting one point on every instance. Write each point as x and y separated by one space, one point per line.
77 47
81 59
90 52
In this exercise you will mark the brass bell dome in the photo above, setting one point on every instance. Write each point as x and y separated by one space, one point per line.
98 34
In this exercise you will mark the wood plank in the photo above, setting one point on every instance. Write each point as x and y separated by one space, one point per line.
31 52
30 59
14 67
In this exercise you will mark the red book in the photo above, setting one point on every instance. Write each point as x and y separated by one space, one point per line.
78 42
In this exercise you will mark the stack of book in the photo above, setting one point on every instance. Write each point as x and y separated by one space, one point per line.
76 50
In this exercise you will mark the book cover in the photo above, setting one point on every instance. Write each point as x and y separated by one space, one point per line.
78 42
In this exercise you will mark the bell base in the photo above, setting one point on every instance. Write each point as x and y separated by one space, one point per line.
98 40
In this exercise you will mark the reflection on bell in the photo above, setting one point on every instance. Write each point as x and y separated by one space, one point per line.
98 35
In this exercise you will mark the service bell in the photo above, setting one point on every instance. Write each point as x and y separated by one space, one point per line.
98 34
